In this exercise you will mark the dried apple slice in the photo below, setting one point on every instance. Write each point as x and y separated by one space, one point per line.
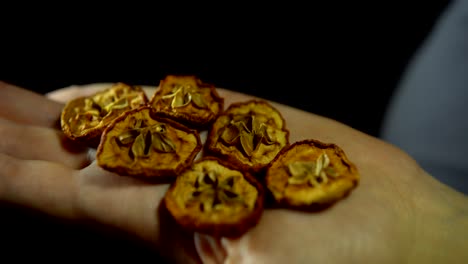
213 198
188 100
85 118
248 134
310 174
143 144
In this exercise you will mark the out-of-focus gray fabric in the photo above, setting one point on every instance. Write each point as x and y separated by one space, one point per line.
428 114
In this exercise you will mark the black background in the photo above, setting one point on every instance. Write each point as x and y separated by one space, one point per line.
335 60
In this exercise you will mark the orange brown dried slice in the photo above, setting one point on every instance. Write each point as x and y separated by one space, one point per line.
309 174
188 100
85 118
143 144
248 134
213 198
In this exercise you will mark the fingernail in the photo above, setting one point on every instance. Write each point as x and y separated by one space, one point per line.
209 249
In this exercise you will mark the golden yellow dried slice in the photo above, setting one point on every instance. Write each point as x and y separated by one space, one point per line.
310 173
186 99
212 197
143 144
86 117
248 134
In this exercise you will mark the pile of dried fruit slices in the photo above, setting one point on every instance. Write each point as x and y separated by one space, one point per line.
246 157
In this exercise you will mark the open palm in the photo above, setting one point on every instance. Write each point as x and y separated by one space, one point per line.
378 222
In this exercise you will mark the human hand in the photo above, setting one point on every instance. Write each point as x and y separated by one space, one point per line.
387 218
42 170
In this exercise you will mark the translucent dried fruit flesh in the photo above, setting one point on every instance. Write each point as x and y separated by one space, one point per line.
212 197
141 143
309 173
249 134
86 117
188 100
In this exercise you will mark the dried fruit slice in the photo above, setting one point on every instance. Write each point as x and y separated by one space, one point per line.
188 100
213 198
86 117
248 134
310 173
143 144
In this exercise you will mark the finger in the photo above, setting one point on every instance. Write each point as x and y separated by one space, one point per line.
39 143
301 124
67 93
312 126
24 106
41 185
210 249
